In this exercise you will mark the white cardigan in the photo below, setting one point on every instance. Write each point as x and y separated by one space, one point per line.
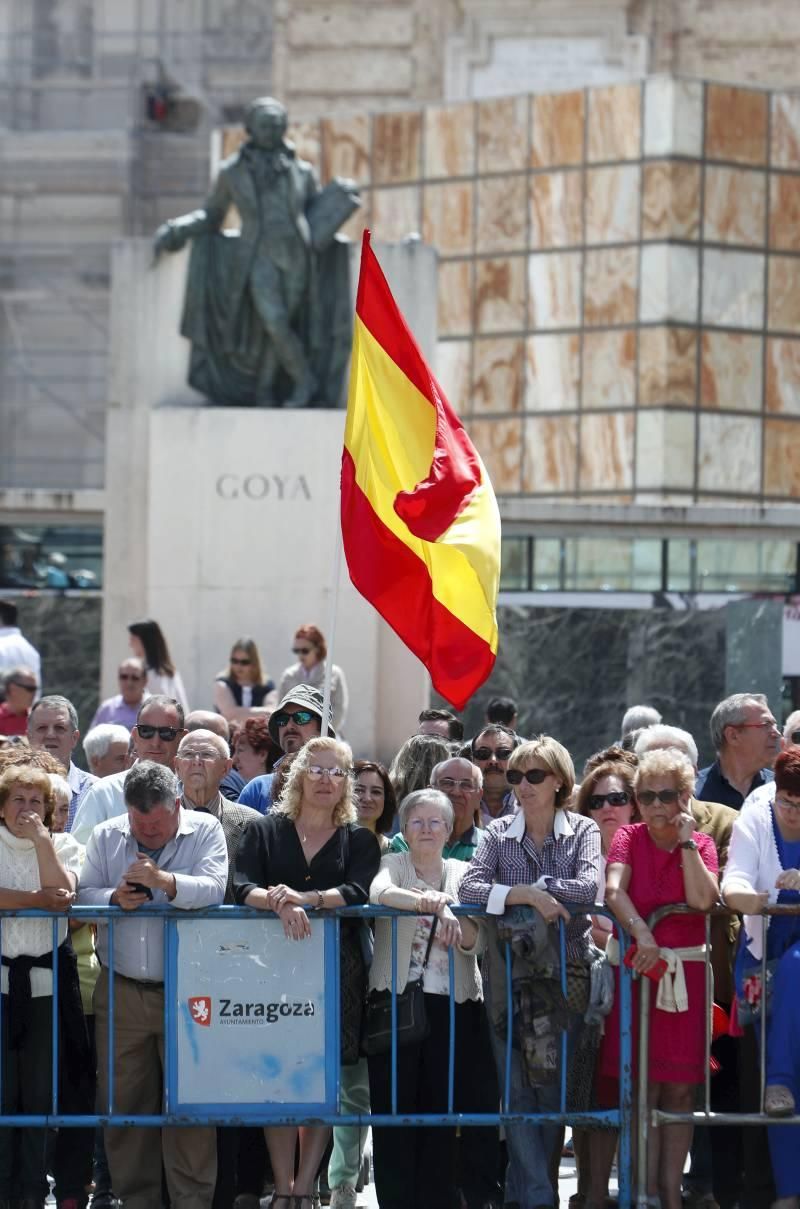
397 869
753 865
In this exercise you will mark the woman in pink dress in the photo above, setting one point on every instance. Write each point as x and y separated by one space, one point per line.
651 864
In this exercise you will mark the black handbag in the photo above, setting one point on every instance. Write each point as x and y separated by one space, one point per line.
412 1022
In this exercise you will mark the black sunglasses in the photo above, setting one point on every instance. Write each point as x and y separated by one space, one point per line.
166 733
31 688
534 776
598 800
795 736
300 716
301 650
486 753
242 661
646 797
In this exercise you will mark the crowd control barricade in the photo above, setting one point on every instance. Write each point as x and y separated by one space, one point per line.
704 1115
231 976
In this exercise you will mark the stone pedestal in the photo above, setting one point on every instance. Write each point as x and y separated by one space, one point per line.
222 522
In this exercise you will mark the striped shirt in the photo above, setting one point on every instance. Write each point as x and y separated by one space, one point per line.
567 867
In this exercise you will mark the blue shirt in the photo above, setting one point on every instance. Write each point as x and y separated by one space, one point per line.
258 794
712 786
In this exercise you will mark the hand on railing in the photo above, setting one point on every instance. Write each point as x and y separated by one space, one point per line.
50 898
295 922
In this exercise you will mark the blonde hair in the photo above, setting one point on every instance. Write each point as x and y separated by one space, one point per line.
553 756
291 799
61 787
666 762
31 778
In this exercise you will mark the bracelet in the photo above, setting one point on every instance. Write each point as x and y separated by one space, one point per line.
319 900
634 919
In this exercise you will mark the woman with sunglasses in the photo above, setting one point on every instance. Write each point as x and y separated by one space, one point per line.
659 861
541 857
309 852
243 690
148 643
491 750
311 651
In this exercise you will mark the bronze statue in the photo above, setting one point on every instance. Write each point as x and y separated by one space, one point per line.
267 308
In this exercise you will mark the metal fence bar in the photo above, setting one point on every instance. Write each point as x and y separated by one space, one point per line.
394 1014
509 1028
625 1164
562 949
451 1054
54 1018
110 1037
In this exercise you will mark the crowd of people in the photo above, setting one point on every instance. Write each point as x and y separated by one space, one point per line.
250 803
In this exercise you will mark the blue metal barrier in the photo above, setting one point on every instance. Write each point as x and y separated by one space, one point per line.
620 1118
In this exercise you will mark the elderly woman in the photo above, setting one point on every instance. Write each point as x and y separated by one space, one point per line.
374 798
415 1168
309 852
43 872
311 652
764 868
243 690
540 857
650 864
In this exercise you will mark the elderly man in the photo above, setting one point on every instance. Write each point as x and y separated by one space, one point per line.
747 740
462 782
53 726
638 717
206 719
295 720
156 851
124 707
156 735
106 748
20 687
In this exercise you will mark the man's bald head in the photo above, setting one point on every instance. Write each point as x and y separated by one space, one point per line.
207 738
206 719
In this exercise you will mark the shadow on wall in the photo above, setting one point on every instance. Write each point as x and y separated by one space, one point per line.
574 672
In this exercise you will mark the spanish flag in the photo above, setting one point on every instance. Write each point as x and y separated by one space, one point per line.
420 524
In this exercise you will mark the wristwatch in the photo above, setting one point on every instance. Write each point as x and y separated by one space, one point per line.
689 844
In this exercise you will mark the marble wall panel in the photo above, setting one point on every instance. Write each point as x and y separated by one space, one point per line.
361 219
732 371
664 449
733 288
557 129
782 459
450 140
396 147
552 373
735 206
783 309
614 130
550 460
670 283
395 212
454 297
556 209
500 294
453 365
503 134
736 124
783 376
785 131
612 204
729 454
609 369
610 283
346 149
667 366
784 212
673 117
554 289
671 200
606 454
502 206
447 217
499 442
498 375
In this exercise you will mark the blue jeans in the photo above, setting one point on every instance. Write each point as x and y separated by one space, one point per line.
783 1066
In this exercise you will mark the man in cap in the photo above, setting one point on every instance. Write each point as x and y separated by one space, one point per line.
296 719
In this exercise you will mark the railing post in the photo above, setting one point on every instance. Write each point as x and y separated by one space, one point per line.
643 1115
625 1165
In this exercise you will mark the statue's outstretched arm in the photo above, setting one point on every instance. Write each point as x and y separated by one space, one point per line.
173 234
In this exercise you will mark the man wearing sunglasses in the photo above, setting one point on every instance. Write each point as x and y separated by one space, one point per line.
20 687
123 709
490 751
158 731
297 718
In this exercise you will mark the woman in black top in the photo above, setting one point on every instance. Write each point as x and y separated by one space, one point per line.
309 852
243 690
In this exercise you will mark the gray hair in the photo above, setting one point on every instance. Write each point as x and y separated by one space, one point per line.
792 724
662 736
97 742
638 717
148 786
61 786
209 736
731 712
56 702
163 702
426 797
477 775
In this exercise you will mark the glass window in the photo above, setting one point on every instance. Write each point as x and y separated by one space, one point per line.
679 566
646 564
599 565
728 565
514 564
547 564
51 557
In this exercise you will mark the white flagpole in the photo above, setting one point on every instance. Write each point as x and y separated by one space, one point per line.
331 630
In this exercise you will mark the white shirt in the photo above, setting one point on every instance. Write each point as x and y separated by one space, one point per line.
104 800
168 686
16 651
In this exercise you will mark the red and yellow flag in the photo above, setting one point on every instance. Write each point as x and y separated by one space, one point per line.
420 524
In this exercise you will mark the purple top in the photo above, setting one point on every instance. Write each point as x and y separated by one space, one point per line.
115 710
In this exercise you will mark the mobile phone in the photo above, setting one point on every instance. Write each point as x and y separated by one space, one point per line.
655 973
140 889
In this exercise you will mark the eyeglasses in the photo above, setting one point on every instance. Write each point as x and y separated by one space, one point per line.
534 776
785 804
448 784
598 800
168 734
207 755
646 797
795 736
129 676
301 650
770 725
243 662
486 753
30 688
301 717
317 772
426 824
